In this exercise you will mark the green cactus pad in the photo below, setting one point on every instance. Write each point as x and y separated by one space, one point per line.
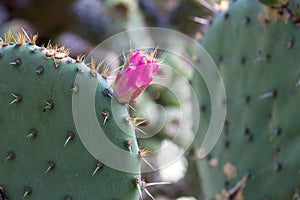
42 154
256 156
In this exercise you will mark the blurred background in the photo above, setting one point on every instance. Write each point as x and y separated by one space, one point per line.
80 25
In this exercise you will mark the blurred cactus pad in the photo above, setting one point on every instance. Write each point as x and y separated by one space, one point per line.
256 48
42 155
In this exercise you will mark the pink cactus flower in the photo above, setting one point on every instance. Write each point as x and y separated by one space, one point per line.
136 76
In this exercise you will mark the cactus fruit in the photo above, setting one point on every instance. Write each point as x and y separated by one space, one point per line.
256 156
136 76
43 156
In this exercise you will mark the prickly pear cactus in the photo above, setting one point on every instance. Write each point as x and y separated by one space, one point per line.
42 154
256 156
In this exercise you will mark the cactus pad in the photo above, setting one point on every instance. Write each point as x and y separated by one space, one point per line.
42 154
256 155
